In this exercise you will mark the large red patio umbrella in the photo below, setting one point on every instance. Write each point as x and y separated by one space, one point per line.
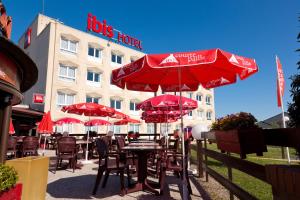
45 127
67 120
89 109
11 130
96 122
127 121
167 102
119 115
183 71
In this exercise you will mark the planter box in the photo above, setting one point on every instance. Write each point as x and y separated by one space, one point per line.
285 181
14 193
241 141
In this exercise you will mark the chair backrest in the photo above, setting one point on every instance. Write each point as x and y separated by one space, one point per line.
66 145
120 142
102 147
162 141
12 143
30 143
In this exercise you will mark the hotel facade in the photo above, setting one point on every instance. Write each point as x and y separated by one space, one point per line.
75 66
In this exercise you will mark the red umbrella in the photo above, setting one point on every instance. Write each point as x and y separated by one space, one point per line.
164 114
183 72
67 120
89 109
45 127
97 122
11 128
127 121
167 102
119 115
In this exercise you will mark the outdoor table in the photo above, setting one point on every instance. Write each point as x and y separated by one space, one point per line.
142 150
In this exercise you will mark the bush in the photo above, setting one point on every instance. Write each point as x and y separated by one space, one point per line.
241 120
8 177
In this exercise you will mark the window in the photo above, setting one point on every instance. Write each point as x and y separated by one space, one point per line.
208 100
190 114
116 58
93 78
64 99
200 114
64 128
115 129
91 128
134 127
190 95
165 128
150 128
133 106
116 104
208 115
94 53
67 73
68 45
90 99
199 97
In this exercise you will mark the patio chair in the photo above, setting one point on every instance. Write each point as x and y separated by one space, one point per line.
66 150
30 146
125 155
109 162
11 147
174 162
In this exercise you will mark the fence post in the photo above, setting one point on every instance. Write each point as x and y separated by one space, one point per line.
205 158
200 158
230 178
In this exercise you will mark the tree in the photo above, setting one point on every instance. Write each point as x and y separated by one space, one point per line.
294 107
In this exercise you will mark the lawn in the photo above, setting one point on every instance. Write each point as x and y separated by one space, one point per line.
253 185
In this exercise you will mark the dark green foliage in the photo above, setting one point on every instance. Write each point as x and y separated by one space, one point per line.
8 177
294 107
241 120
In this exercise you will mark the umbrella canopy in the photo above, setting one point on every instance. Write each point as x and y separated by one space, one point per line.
96 122
119 115
210 68
160 120
89 109
11 128
67 120
164 114
46 125
127 121
167 102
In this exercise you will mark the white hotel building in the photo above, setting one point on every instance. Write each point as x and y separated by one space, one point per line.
75 66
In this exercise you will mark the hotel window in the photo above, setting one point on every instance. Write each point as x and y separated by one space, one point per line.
90 99
64 99
67 73
134 127
199 97
200 114
150 128
132 106
208 100
116 58
116 104
93 77
208 115
91 128
190 114
115 129
94 53
68 45
64 128
190 95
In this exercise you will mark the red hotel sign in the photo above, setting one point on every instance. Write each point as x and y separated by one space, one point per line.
38 98
103 28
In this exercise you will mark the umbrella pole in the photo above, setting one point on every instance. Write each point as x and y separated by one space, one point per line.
185 194
44 144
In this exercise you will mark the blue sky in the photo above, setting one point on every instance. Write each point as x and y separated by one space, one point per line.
259 29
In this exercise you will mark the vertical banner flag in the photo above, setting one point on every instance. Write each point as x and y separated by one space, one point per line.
280 82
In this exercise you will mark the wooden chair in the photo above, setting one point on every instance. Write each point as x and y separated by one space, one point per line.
12 147
66 150
108 164
174 162
30 146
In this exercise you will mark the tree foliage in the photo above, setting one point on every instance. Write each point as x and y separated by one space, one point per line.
294 106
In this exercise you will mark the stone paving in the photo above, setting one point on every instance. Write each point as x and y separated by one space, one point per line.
64 184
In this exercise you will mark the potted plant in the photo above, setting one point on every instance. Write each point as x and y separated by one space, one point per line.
9 190
238 133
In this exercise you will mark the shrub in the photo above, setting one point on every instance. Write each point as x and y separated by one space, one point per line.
241 120
8 177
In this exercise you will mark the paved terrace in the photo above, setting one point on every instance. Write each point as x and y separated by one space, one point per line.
64 184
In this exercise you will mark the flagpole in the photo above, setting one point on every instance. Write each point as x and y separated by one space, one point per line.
282 110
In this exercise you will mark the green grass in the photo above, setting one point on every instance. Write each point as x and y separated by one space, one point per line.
252 185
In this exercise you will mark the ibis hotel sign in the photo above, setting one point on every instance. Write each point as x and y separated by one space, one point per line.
101 27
